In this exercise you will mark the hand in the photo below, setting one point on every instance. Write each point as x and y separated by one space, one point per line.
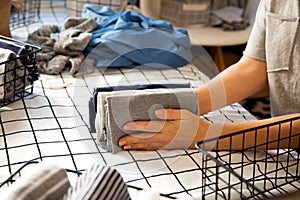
177 129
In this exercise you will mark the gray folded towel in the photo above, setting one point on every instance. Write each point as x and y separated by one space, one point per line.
117 108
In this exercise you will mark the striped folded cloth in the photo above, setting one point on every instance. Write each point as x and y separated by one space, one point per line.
99 182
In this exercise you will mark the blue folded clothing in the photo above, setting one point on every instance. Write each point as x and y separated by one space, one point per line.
130 39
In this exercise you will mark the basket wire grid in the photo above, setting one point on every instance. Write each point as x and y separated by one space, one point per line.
29 14
254 171
17 80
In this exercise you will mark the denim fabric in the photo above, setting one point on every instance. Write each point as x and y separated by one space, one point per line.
129 39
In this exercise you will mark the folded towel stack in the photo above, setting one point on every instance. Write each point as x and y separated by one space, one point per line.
115 108
17 67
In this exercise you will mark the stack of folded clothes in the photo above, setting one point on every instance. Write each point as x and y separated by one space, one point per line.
17 67
119 105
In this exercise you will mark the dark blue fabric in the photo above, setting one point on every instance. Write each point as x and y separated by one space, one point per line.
130 39
17 47
25 53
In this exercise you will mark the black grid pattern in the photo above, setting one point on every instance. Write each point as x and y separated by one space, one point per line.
258 173
52 124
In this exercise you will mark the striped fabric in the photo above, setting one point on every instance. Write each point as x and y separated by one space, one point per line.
99 182
47 181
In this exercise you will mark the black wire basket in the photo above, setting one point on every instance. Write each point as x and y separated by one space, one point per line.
18 72
28 14
264 164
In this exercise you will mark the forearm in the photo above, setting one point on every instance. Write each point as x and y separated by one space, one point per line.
278 135
237 82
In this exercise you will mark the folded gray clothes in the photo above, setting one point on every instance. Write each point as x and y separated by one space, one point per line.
114 109
12 74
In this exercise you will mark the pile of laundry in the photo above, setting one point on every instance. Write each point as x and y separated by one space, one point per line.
62 47
110 38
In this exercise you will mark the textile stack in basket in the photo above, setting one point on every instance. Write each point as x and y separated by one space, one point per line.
18 69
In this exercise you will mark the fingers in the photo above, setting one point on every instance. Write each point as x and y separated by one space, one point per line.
172 114
156 126
144 126
172 131
141 141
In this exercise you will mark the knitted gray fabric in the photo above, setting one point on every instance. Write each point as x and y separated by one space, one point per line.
55 65
62 48
83 24
132 106
72 40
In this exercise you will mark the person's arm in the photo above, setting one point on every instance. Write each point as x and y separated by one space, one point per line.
273 133
237 82
181 129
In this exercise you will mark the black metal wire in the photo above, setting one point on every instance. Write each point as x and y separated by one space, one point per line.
277 177
10 178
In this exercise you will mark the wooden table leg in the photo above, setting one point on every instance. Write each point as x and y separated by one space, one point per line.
219 58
